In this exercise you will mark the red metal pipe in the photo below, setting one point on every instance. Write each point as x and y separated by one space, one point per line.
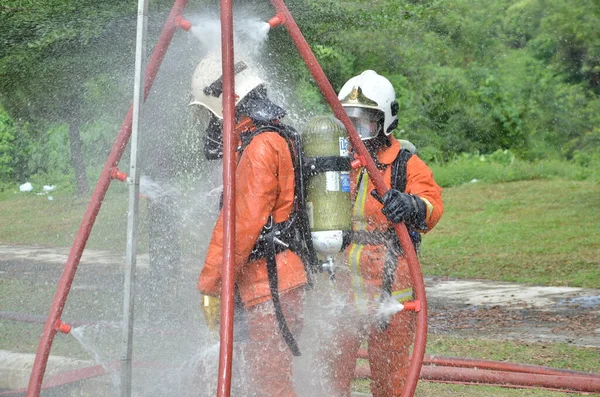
229 144
503 366
85 228
376 177
460 362
501 378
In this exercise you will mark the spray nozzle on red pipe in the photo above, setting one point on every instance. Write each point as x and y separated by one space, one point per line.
414 306
359 161
62 327
277 20
183 23
119 175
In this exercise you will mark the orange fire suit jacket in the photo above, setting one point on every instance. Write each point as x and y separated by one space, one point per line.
366 262
264 181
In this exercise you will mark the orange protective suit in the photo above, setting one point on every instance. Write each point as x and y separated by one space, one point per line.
388 348
264 186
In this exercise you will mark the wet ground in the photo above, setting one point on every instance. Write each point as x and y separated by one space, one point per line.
466 308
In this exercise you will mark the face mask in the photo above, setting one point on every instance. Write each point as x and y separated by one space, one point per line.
213 139
368 122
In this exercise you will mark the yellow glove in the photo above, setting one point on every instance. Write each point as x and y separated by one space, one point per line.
211 307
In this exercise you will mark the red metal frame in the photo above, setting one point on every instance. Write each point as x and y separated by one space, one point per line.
359 147
543 375
229 144
66 279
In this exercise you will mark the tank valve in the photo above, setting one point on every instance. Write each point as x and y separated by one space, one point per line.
183 23
277 20
62 327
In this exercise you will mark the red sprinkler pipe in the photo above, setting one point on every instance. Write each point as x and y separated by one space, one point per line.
443 361
85 228
503 366
471 376
227 286
413 262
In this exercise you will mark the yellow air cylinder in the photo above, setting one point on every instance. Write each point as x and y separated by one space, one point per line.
328 200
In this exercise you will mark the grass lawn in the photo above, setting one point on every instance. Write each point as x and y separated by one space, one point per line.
541 232
30 219
557 355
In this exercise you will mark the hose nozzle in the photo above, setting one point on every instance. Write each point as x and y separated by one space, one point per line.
62 327
119 175
183 23
277 20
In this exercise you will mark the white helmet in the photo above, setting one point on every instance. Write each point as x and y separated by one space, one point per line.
369 100
250 90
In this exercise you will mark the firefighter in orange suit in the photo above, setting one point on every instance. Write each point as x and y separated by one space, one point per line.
376 266
264 198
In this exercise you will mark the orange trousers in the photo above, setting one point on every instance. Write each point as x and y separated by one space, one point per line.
268 359
389 351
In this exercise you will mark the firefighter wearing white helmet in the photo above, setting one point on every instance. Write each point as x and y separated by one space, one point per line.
369 100
377 268
268 276
250 99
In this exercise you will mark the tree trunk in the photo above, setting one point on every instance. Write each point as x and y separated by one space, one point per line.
77 158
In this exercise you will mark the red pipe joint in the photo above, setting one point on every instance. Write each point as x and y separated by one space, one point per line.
277 20
359 161
183 23
115 173
414 306
62 327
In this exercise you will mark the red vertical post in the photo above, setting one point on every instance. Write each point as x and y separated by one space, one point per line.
227 286
338 110
85 228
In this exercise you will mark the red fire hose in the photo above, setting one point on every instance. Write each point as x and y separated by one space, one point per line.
66 279
367 161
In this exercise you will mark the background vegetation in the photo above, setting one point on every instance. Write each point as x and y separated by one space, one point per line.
471 76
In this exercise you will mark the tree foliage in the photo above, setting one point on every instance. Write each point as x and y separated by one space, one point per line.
470 75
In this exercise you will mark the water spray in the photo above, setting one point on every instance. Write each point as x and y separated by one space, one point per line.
183 23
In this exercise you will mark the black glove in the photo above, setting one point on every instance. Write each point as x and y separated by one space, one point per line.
401 207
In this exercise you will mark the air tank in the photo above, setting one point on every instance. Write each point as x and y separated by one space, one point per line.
328 202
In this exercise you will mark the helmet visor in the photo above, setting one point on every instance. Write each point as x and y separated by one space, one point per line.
367 122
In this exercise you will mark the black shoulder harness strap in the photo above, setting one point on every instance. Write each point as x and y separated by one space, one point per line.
399 170
293 234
